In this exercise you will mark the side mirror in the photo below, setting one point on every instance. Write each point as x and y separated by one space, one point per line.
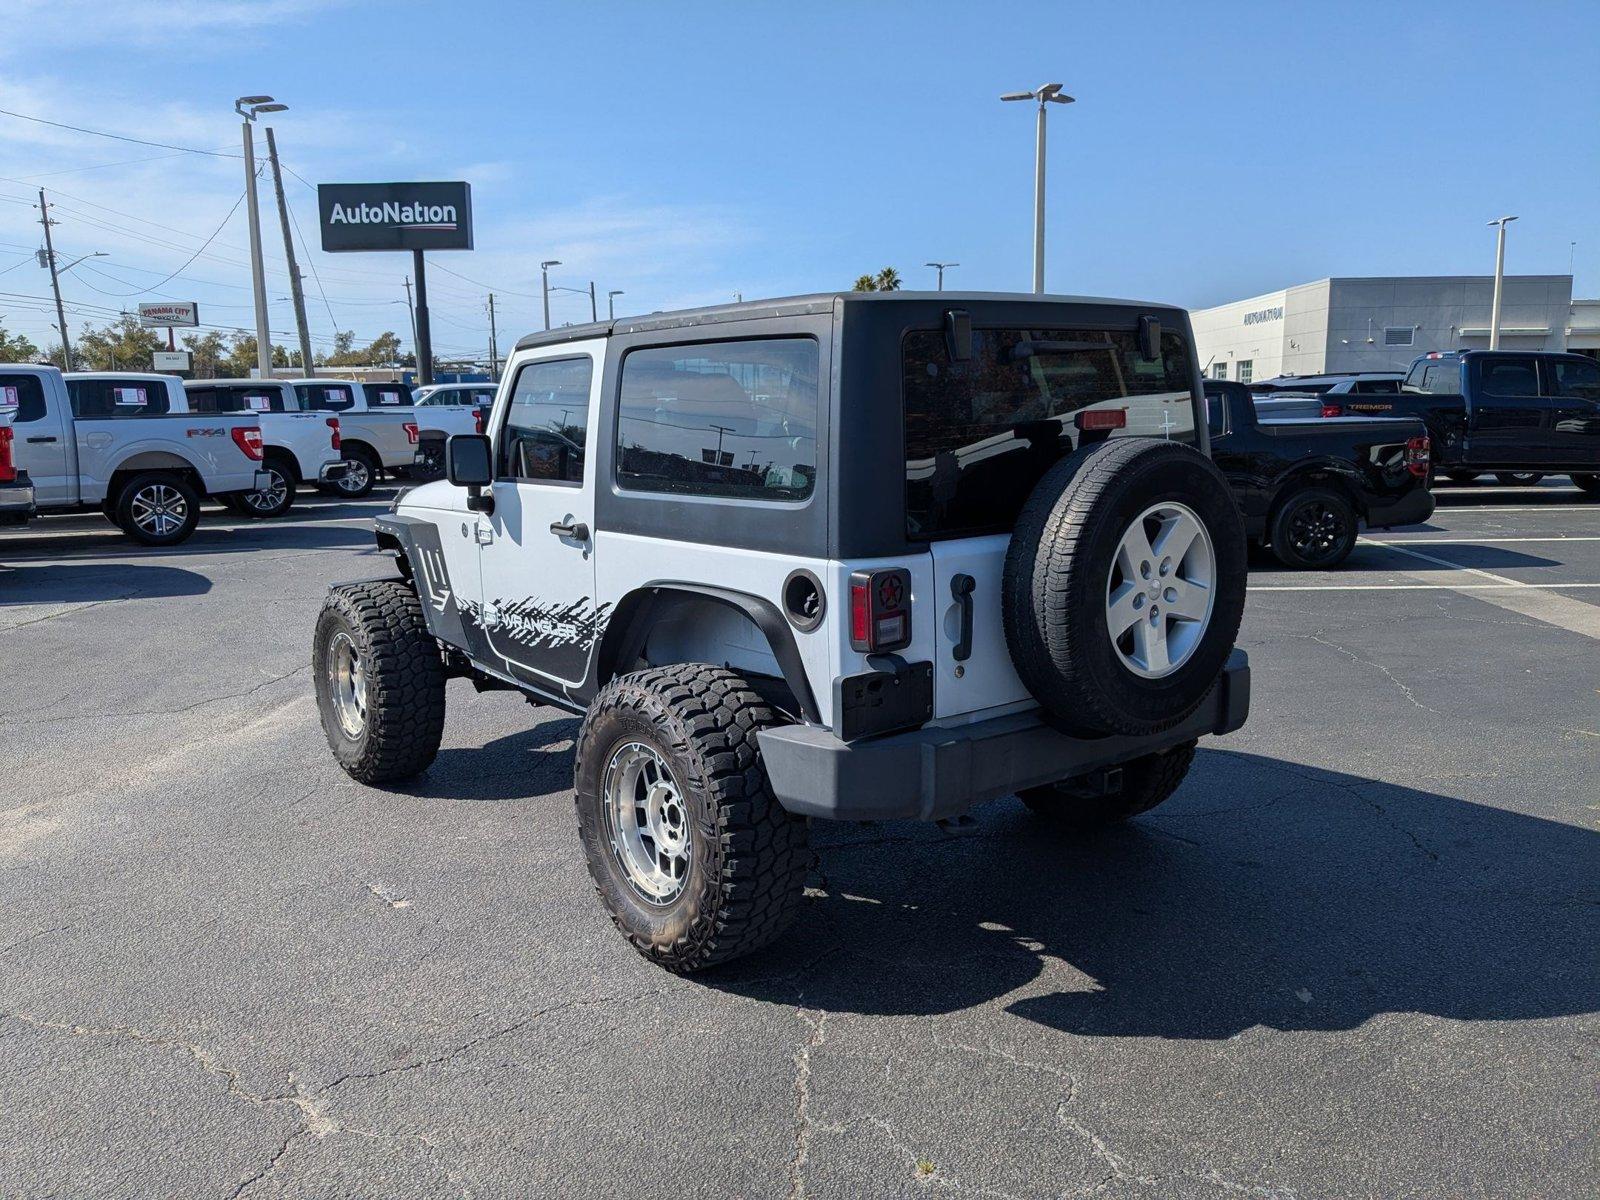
468 463
1149 339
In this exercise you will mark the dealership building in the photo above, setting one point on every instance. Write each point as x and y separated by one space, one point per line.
1382 324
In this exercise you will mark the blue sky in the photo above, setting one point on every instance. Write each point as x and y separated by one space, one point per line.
687 151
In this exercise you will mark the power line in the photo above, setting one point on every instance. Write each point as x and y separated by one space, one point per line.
118 136
189 260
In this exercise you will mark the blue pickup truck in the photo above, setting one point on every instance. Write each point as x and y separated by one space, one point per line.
1516 414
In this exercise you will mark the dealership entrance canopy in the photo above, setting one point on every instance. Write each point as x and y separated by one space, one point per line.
399 216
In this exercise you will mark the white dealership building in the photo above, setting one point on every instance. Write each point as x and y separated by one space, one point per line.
1382 324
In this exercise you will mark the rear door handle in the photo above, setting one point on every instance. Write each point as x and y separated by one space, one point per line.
37 440
482 534
962 587
576 530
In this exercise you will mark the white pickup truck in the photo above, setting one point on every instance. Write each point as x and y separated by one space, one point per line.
442 412
298 446
121 443
377 428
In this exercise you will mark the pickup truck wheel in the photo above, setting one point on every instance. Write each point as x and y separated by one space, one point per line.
273 500
358 480
157 509
1462 476
1589 483
1518 478
1124 585
692 856
379 680
1146 782
1314 529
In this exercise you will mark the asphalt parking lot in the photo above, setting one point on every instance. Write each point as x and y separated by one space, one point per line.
1357 955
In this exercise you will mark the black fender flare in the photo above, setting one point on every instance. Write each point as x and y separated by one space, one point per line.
1329 473
640 609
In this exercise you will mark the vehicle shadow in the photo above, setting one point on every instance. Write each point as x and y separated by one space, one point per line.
521 766
1452 556
1264 894
1529 497
54 582
45 540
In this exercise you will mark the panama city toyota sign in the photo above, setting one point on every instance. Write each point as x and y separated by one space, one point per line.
395 216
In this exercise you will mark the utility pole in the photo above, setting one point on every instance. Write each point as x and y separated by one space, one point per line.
594 313
410 308
1499 280
55 283
248 107
296 292
1049 93
494 345
544 275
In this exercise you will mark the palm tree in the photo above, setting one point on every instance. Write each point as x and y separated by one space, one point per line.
865 283
888 280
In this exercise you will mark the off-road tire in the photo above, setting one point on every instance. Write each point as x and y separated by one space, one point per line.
1341 540
1146 782
1058 566
748 856
404 674
135 490
1589 483
1518 478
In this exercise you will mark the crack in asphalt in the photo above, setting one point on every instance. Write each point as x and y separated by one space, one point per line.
69 611
168 712
802 1099
1404 689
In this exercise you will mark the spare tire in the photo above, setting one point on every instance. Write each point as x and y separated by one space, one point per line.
1124 586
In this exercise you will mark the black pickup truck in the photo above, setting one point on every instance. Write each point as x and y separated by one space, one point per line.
1306 485
1517 414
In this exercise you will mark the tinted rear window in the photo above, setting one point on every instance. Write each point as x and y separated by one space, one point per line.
97 399
22 395
219 399
325 397
388 395
1441 378
980 433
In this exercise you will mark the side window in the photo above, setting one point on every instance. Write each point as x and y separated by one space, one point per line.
388 395
205 399
98 399
1509 377
723 419
1216 414
24 395
1578 377
325 397
542 440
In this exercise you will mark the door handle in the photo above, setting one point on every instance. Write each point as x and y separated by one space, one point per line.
37 440
482 534
961 588
576 530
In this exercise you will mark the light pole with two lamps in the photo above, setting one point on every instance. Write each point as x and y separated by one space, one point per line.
1049 93
941 268
1499 280
249 107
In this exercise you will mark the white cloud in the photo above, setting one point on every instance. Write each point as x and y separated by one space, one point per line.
39 24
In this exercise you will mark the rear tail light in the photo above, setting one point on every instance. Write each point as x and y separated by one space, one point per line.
1332 410
1102 418
248 440
477 420
8 464
880 610
333 425
1419 456
411 432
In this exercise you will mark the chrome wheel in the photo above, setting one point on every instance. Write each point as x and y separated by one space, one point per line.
1161 589
347 684
356 478
648 822
159 509
269 499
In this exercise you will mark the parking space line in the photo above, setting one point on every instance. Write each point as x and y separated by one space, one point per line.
1478 541
1519 508
1416 587
1525 599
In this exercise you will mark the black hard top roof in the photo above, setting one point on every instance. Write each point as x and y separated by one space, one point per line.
795 306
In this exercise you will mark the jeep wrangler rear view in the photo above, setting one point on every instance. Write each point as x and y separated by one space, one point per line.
857 556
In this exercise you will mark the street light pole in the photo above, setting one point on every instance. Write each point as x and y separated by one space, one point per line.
1499 280
941 267
544 274
611 303
247 107
1049 93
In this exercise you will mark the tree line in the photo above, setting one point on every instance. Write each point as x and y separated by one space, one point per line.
125 345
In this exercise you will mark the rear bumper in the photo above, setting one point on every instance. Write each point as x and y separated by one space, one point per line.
17 501
1413 508
332 472
931 774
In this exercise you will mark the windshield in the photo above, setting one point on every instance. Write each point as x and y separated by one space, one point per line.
980 433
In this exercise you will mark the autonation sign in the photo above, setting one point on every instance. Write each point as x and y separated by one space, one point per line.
1264 314
395 216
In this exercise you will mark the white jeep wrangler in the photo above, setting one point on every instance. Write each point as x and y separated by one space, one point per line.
856 556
